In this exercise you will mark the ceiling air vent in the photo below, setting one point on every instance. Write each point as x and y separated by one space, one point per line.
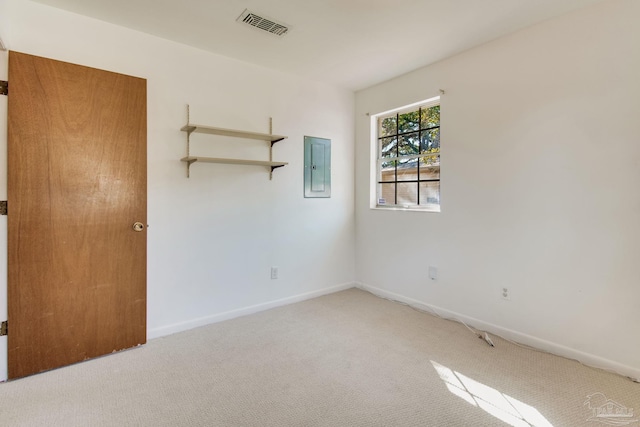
262 23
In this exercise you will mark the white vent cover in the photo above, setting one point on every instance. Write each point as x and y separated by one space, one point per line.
262 23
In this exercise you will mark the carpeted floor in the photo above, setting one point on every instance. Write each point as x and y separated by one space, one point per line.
346 359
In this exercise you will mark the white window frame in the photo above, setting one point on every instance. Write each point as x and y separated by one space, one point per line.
377 159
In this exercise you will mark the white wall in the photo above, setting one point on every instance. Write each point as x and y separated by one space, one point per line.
541 164
540 175
213 237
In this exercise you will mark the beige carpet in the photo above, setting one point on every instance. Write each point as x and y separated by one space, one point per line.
346 359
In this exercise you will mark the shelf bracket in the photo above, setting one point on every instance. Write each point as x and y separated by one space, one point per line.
189 163
271 148
189 130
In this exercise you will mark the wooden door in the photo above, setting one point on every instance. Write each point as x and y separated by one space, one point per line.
76 185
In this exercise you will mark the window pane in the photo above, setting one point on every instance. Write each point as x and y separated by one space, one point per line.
408 122
408 144
388 171
387 192
407 193
387 126
430 141
388 147
430 160
408 169
429 170
430 117
430 194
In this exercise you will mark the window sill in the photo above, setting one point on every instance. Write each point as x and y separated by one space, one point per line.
433 209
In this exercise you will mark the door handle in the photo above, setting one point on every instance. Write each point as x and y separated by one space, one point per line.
138 226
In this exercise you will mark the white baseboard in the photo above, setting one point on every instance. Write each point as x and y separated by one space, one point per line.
528 340
214 318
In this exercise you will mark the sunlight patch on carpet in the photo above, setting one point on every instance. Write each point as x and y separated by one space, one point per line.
504 407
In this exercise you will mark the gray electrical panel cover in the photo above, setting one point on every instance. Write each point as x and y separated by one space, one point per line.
317 167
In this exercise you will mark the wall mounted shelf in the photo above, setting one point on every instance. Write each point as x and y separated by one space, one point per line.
231 132
190 128
193 159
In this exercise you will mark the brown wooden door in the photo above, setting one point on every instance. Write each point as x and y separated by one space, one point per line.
76 185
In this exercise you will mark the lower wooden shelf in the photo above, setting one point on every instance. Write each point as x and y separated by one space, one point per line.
272 165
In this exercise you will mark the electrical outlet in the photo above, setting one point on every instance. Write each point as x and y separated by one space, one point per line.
433 273
274 273
505 294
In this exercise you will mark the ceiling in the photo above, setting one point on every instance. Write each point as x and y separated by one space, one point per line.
349 43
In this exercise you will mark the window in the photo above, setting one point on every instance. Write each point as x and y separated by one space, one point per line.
408 156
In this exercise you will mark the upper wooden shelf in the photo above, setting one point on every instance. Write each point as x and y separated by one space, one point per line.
190 128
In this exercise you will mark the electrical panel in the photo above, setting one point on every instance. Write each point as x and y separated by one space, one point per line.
317 167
